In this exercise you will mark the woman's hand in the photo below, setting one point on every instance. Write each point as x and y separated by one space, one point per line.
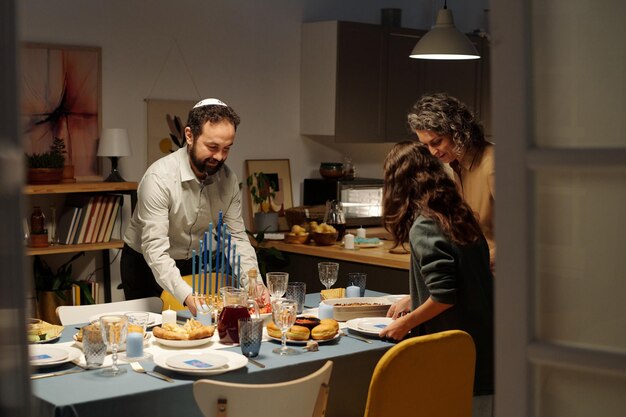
400 308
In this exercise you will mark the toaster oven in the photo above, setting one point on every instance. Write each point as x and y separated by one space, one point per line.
361 198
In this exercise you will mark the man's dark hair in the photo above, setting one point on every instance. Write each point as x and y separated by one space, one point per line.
212 113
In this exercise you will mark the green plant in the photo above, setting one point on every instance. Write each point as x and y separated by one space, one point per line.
262 190
266 256
54 158
59 281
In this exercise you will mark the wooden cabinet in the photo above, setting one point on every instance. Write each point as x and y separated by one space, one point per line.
358 82
126 188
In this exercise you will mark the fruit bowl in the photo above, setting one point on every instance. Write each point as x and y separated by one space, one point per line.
296 239
331 170
325 238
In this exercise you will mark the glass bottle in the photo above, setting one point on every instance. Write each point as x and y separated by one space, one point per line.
37 221
348 169
334 216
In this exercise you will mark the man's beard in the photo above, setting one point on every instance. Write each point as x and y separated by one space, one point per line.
204 165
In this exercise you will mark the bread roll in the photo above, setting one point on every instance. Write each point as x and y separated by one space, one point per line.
324 331
330 322
273 330
298 333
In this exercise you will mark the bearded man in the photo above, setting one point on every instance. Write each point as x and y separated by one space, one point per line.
178 196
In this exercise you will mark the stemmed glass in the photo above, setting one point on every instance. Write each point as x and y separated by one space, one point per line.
328 273
277 283
284 312
113 330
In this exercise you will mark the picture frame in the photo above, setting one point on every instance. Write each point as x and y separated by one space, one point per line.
160 129
61 96
279 171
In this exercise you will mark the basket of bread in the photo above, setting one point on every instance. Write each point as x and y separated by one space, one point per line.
345 309
298 234
323 234
305 329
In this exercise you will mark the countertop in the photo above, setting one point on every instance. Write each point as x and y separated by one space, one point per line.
378 256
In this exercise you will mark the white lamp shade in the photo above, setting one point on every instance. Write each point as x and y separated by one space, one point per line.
444 41
114 142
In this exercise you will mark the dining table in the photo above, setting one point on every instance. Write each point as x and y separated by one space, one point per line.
88 393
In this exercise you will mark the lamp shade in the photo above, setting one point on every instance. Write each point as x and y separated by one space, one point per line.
114 142
444 41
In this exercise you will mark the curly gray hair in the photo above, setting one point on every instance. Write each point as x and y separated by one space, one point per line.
446 115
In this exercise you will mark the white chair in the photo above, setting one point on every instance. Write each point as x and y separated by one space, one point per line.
80 314
303 397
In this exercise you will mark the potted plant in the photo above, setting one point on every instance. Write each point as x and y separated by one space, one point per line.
262 190
54 288
46 167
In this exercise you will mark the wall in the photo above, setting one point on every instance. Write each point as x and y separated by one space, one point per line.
245 52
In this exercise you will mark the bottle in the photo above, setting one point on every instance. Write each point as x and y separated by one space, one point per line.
37 221
335 217
348 169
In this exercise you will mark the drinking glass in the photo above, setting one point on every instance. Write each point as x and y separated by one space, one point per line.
94 347
113 330
250 336
358 279
135 332
284 312
297 291
277 283
328 273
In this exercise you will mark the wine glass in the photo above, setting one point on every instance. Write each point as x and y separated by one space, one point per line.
284 312
328 273
277 283
113 330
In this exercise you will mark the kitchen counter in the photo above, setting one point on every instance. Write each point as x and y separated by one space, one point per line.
378 256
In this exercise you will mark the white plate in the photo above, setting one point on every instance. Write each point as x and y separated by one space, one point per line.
38 342
203 361
302 342
396 297
369 325
182 343
235 361
154 319
57 355
146 340
274 236
368 245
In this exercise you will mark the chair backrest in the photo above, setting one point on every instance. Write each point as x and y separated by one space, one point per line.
431 375
303 397
80 314
173 304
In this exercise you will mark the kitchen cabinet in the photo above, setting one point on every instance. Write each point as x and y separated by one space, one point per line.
126 188
358 82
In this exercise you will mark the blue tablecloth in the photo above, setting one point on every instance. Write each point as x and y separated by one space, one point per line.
90 394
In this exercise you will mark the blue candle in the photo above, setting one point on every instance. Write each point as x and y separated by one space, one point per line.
239 270
210 257
193 271
233 264
134 345
223 261
228 260
204 246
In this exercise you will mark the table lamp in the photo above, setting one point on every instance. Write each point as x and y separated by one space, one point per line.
114 144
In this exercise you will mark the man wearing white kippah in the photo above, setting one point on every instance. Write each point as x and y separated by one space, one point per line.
178 196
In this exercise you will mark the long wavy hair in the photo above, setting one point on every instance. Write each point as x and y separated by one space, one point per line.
416 183
446 115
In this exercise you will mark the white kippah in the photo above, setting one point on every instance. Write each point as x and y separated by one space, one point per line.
210 102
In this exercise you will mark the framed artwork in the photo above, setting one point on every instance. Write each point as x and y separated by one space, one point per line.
278 172
166 125
61 97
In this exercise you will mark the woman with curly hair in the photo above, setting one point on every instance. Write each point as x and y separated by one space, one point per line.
455 136
450 281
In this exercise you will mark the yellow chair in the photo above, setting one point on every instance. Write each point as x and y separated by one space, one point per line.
172 303
302 397
431 375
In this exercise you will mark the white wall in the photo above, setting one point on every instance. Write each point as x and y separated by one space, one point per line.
246 52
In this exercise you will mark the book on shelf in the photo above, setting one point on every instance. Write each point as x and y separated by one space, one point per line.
84 221
78 298
93 221
107 209
75 226
66 223
114 211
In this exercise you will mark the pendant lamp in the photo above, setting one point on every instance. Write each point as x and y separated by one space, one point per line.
444 41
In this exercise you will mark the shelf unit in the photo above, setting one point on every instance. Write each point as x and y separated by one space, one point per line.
125 188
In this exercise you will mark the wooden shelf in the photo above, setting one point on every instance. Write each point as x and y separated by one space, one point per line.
80 187
54 249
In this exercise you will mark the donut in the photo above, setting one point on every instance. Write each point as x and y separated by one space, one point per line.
273 330
298 333
330 322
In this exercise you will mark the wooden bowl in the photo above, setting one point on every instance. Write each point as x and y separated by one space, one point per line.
325 239
297 239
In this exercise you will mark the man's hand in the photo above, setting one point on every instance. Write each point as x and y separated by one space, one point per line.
191 304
